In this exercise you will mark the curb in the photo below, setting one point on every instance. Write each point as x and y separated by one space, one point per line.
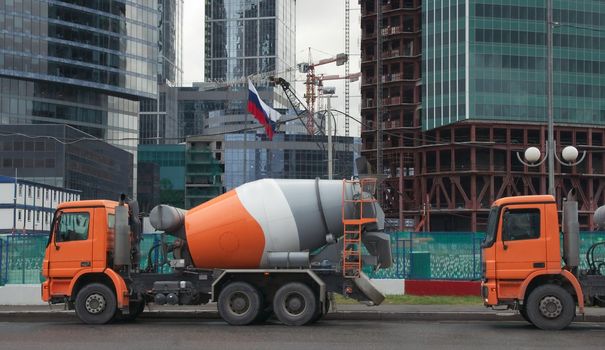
155 315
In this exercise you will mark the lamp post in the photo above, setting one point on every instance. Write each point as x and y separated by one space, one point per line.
569 154
549 78
328 93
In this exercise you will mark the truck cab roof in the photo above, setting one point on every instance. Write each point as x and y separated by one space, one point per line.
524 200
88 204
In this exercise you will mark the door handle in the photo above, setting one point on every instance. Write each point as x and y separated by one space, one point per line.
539 264
85 264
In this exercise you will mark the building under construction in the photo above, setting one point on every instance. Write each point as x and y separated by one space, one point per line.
452 94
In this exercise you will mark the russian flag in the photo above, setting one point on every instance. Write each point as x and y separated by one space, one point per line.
266 115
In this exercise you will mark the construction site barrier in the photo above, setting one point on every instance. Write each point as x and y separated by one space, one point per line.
416 255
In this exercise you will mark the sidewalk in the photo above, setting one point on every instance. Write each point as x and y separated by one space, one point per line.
341 312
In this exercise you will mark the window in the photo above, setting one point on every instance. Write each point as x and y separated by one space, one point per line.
73 227
519 224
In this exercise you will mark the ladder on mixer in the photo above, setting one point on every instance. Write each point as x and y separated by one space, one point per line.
353 224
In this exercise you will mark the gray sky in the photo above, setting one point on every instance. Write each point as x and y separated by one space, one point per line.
319 25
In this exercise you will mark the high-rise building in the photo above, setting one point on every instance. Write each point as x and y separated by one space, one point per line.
82 63
249 37
483 93
60 155
219 163
391 98
158 119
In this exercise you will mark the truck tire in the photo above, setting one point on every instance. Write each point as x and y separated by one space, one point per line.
96 304
295 304
239 304
550 307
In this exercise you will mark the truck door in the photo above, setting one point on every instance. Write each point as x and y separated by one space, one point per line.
521 247
71 246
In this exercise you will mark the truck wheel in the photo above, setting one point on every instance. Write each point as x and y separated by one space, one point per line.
295 304
239 303
96 304
550 307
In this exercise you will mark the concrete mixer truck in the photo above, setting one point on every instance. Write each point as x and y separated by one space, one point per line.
269 247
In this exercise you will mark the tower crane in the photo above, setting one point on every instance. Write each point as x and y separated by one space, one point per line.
313 81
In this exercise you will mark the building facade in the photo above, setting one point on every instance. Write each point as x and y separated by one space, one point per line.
158 120
391 97
250 37
220 163
81 63
40 153
28 207
165 176
483 101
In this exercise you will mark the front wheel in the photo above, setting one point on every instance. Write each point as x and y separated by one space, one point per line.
96 304
550 307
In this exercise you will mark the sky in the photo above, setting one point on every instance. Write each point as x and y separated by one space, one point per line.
319 25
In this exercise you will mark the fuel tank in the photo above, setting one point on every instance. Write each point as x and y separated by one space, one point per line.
247 226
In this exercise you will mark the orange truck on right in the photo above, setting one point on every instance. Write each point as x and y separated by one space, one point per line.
525 269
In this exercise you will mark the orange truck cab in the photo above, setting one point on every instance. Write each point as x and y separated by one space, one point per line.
523 266
79 254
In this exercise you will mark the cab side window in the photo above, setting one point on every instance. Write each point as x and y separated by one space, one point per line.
521 224
73 227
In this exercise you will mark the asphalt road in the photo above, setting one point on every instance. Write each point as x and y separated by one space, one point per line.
194 333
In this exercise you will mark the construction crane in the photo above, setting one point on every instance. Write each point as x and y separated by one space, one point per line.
312 82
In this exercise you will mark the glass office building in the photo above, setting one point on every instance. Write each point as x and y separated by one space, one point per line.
158 121
247 37
170 163
97 169
249 157
82 63
486 60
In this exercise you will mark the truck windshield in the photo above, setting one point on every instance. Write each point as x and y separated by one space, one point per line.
492 224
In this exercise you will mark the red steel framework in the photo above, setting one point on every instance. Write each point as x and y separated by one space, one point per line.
447 178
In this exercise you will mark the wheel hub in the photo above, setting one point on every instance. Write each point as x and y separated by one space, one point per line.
295 304
239 303
551 307
95 303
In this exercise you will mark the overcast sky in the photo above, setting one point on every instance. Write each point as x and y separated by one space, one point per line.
319 25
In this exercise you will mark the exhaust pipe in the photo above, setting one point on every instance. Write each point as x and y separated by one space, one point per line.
571 232
121 248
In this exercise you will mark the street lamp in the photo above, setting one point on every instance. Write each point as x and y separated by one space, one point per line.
328 93
569 154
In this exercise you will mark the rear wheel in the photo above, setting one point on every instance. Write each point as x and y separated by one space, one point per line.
295 304
239 303
550 307
96 304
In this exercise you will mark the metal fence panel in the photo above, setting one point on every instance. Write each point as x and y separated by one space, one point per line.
419 255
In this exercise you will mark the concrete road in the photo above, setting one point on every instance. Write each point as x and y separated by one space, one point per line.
196 333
